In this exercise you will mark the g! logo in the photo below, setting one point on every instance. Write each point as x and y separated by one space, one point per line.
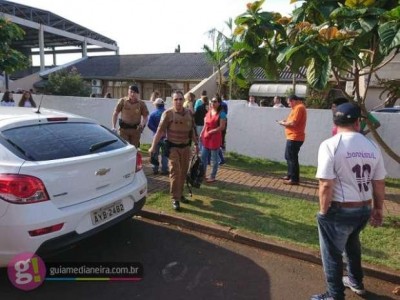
26 271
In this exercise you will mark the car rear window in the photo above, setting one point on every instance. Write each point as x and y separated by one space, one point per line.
60 140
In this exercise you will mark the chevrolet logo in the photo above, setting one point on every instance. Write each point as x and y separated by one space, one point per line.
102 172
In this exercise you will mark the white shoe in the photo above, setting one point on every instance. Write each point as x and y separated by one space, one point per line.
358 289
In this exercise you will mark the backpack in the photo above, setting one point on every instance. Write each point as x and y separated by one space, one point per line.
195 174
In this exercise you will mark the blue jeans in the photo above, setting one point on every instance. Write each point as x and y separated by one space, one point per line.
292 157
339 230
198 130
221 158
214 161
164 159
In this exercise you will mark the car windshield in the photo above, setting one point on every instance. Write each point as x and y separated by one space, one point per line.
60 140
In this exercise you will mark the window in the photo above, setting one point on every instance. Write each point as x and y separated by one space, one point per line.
60 140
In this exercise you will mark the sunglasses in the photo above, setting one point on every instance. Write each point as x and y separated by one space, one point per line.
176 99
214 101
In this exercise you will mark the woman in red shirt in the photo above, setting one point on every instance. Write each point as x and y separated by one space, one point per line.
211 135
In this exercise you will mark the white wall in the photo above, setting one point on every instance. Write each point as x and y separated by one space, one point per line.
100 109
252 131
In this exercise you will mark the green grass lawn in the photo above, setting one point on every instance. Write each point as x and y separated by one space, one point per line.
277 217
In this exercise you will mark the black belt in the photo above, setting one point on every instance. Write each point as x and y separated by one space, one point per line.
351 204
170 144
124 125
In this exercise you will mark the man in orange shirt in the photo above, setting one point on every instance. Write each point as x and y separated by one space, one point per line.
295 126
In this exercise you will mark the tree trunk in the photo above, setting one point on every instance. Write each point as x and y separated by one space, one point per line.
378 138
384 146
219 80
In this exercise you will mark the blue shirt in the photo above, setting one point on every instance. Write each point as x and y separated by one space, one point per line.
198 103
155 118
222 115
224 106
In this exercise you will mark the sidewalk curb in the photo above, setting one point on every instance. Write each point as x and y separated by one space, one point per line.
259 242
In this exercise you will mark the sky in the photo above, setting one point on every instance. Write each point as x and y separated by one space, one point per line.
154 26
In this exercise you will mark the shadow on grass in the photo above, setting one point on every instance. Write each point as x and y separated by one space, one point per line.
252 220
374 253
239 200
249 164
234 206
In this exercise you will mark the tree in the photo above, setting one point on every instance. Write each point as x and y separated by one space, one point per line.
67 83
11 60
391 89
220 51
349 39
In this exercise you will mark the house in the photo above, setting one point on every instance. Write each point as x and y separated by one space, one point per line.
165 72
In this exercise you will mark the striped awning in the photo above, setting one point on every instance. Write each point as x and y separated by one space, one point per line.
276 89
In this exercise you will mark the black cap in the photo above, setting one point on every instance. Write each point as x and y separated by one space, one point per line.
293 97
347 111
134 88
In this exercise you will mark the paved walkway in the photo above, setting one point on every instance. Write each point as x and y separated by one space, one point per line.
228 176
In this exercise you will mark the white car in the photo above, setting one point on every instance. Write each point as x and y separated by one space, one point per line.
63 177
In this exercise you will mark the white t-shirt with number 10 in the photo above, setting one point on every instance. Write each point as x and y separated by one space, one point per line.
352 160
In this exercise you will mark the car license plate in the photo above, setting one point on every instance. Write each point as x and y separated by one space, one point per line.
107 212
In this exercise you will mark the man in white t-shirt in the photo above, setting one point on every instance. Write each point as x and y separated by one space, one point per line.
351 192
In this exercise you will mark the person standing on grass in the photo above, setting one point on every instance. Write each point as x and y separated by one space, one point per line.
224 107
200 112
177 125
211 136
351 177
335 104
295 126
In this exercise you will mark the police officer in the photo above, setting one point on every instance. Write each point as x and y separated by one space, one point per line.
134 114
178 126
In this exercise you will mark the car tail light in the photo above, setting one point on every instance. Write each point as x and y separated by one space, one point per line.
139 162
57 119
22 189
46 230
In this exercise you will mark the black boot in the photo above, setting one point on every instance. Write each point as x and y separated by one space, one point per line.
184 200
176 206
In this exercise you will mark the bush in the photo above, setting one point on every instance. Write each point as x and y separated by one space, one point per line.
67 83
